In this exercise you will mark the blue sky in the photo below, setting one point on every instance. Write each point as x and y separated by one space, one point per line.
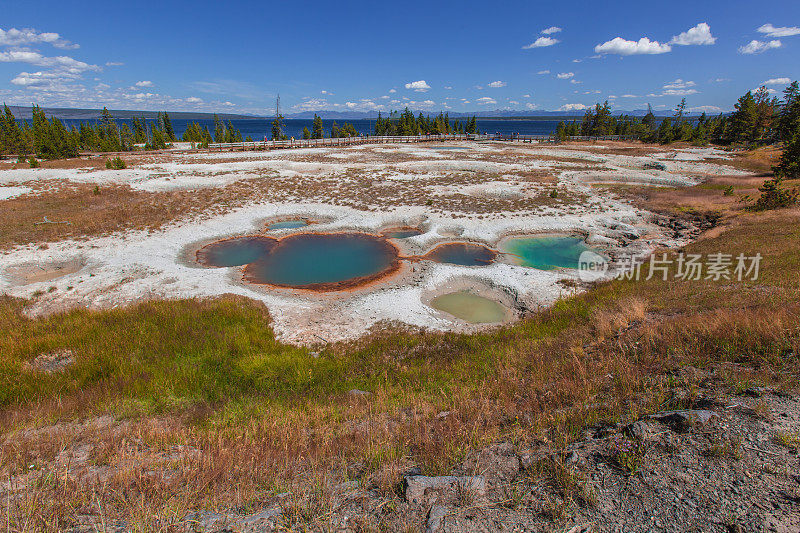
460 56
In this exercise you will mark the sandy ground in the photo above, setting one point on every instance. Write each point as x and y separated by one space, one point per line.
511 182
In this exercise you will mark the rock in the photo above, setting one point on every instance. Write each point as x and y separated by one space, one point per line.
265 520
640 430
435 517
685 419
53 361
442 414
418 488
498 462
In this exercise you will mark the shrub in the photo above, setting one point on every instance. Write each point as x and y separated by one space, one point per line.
33 162
116 164
773 196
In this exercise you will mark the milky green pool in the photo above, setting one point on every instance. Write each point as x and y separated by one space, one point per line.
470 307
546 253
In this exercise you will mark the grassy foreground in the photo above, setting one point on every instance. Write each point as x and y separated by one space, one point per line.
174 406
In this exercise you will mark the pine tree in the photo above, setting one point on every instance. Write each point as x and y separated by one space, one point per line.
306 133
317 129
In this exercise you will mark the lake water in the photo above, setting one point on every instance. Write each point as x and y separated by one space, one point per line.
258 128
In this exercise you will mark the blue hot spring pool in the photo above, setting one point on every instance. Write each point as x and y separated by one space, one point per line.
458 253
325 262
288 224
237 251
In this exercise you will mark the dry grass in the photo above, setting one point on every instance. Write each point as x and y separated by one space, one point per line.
171 407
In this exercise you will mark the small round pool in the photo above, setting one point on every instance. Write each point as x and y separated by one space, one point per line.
462 253
237 251
470 307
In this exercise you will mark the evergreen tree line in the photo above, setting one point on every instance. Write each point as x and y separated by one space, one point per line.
406 123
223 133
51 139
757 119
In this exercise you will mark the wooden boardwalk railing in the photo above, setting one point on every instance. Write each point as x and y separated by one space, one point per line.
353 141
344 141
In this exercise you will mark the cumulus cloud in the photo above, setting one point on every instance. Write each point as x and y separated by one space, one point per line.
771 31
486 101
497 84
543 72
144 83
699 35
622 47
777 81
551 30
419 86
565 75
679 92
572 107
27 36
541 42
194 100
758 47
23 55
392 91
114 63
679 84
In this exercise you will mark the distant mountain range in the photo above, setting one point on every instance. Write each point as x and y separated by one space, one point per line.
94 114
503 114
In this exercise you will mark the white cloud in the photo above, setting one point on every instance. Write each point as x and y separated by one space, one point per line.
526 96
543 72
24 55
679 84
620 46
679 92
448 88
419 86
541 42
324 92
194 100
530 106
721 80
486 101
144 83
777 81
699 35
497 84
705 109
758 47
25 36
551 30
565 75
772 31
392 91
513 102
572 107
114 63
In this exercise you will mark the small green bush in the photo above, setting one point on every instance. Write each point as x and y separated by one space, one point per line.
33 162
116 164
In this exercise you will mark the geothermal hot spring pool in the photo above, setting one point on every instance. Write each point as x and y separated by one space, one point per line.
288 224
307 260
338 261
547 252
470 307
